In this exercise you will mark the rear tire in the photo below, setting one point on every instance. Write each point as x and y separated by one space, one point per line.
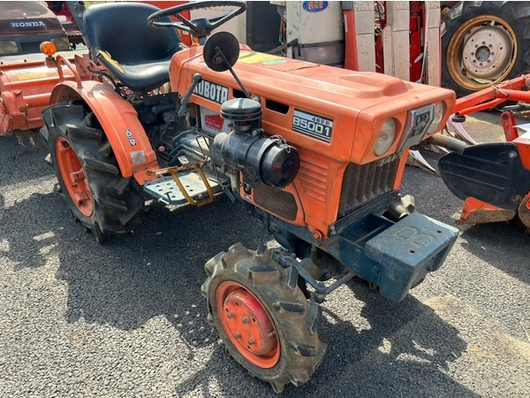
263 317
88 173
484 43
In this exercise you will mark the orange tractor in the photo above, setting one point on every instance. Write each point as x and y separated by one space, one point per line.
316 153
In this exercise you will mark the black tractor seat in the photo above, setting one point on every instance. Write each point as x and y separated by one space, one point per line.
120 38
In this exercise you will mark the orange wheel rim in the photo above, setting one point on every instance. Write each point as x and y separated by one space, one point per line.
74 177
471 47
248 325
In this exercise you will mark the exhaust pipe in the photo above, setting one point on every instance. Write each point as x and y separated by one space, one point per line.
450 143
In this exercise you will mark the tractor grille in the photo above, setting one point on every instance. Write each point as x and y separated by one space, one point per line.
363 183
278 202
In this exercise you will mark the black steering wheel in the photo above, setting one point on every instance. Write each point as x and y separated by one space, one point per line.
199 27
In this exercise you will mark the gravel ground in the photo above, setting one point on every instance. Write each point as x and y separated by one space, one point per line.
126 318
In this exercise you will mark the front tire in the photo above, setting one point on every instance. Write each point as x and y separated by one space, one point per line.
484 43
262 316
88 173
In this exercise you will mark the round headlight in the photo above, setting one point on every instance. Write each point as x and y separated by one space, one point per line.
439 111
386 137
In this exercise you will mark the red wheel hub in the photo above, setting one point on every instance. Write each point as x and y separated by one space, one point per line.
248 324
74 177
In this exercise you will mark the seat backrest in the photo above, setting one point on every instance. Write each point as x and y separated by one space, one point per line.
121 30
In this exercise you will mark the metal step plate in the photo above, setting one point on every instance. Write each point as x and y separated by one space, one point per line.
167 191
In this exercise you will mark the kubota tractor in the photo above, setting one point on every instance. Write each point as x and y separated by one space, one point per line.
317 153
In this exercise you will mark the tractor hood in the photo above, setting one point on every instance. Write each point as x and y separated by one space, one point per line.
345 110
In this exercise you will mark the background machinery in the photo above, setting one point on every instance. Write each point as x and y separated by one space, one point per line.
25 82
315 152
493 178
484 43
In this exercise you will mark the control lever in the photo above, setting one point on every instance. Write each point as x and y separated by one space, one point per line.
197 78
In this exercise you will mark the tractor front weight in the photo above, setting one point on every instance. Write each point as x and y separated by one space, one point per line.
392 256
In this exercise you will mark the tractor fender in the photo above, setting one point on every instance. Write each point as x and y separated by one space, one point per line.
120 123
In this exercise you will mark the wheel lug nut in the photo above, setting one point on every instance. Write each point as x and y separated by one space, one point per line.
245 320
230 314
251 341
237 335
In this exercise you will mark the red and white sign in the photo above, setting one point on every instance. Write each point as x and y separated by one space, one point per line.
212 122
